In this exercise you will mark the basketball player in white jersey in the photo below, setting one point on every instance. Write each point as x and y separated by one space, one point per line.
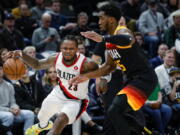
69 102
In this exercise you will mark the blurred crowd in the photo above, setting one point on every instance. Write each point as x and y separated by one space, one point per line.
38 26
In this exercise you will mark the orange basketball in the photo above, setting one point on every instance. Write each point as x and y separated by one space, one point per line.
14 68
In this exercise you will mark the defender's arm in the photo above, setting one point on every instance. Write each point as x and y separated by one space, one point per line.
104 70
107 68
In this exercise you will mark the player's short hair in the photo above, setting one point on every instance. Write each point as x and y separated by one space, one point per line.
72 38
110 9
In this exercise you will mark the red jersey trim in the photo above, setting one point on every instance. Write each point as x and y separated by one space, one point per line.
82 64
72 63
65 91
83 107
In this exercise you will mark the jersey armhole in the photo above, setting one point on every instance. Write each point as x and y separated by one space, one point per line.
82 64
56 59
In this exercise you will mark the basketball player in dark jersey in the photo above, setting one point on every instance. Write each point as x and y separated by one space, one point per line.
141 78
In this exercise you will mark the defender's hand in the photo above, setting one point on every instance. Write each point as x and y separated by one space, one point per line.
78 79
92 35
101 86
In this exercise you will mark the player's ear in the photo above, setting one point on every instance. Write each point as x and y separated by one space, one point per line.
112 20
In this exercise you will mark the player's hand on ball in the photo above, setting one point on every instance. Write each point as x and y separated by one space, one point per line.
14 54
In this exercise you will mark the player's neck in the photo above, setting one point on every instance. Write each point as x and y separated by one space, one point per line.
112 29
70 62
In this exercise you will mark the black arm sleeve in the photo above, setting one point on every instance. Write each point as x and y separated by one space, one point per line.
120 40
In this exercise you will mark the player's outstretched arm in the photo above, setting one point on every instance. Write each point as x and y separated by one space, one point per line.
33 62
39 64
123 37
104 70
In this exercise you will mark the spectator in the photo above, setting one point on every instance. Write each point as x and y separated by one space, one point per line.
169 21
45 38
38 10
174 5
173 33
177 53
9 110
29 93
151 25
82 48
139 38
58 19
3 52
82 24
158 60
31 51
162 7
175 81
162 71
16 12
49 80
160 113
25 23
174 94
11 38
131 11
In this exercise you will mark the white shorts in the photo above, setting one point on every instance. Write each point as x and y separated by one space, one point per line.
56 102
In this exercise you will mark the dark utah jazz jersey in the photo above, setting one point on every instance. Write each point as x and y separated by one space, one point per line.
129 58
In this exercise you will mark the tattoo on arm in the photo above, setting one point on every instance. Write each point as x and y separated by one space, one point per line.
39 64
110 64
89 66
104 70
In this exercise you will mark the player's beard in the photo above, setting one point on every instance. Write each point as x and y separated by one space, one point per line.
70 61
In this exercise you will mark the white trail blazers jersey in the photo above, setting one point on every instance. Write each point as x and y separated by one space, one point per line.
67 72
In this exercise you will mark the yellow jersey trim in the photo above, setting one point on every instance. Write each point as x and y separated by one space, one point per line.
122 47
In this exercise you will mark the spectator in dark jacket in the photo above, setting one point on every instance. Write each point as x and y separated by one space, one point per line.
173 32
82 24
57 18
29 93
25 23
10 37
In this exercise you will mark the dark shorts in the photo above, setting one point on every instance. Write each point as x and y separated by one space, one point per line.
139 88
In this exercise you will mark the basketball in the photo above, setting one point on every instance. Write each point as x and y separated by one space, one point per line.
14 68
